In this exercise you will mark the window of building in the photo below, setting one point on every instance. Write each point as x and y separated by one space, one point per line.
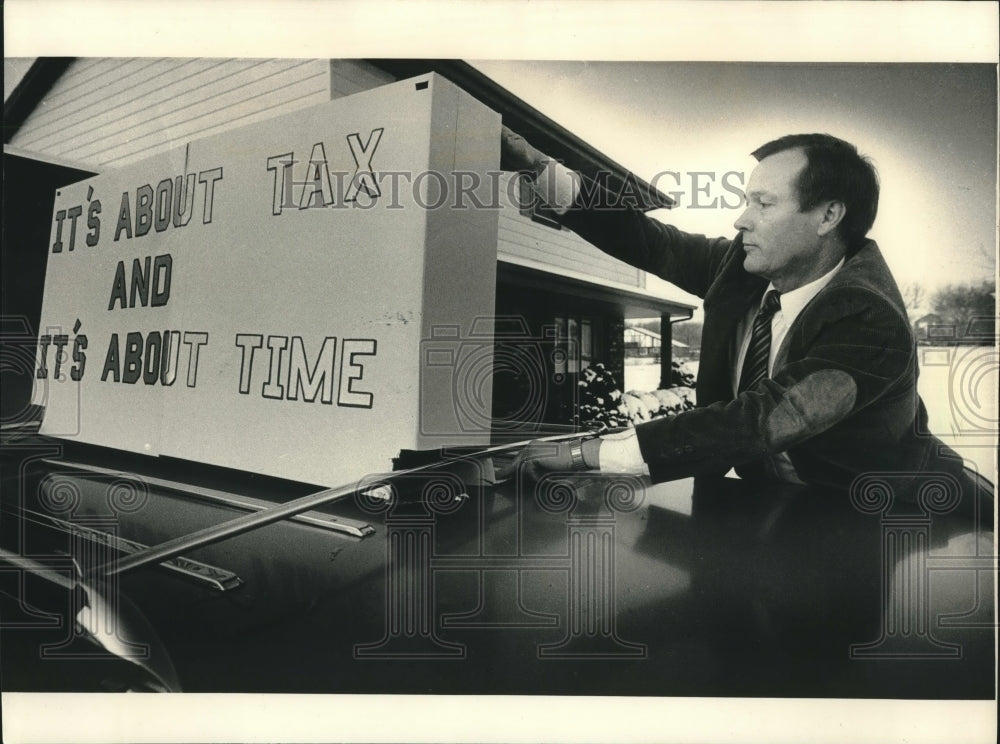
574 343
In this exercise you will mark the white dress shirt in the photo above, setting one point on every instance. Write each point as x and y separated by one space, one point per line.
792 303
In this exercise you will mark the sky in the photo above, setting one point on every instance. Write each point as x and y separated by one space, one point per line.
930 129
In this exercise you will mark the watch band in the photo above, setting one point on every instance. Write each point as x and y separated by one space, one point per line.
576 455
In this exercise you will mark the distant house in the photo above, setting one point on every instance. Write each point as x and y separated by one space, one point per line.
934 329
642 342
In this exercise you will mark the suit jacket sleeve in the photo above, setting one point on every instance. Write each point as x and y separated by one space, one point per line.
687 260
848 350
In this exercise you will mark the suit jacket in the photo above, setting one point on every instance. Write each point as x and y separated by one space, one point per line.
842 399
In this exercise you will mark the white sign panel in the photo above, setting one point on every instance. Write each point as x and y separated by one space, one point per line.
263 299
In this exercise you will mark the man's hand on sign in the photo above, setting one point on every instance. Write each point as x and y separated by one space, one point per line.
516 154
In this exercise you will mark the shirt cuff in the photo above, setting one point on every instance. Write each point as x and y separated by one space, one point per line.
557 186
619 453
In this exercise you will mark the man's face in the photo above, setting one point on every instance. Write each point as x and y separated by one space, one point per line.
781 242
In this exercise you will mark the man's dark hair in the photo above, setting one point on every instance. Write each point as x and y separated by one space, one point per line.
834 171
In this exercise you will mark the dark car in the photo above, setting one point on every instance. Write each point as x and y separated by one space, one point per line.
129 573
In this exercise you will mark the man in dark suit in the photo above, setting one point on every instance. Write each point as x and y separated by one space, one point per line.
808 366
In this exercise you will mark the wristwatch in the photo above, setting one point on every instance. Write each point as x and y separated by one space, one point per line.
576 455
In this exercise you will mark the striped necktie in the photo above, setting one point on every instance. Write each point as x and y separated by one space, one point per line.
759 350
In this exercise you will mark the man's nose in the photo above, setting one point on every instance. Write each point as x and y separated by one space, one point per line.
742 222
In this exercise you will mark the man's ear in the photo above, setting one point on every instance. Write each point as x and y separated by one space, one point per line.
830 216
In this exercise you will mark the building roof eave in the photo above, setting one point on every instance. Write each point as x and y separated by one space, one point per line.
544 133
632 301
29 92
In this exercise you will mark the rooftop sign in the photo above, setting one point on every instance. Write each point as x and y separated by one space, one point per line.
260 300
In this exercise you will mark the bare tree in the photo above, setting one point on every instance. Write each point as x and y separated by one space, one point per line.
914 295
972 309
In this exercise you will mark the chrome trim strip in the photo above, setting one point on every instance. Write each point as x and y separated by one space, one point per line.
218 579
238 501
40 569
277 513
